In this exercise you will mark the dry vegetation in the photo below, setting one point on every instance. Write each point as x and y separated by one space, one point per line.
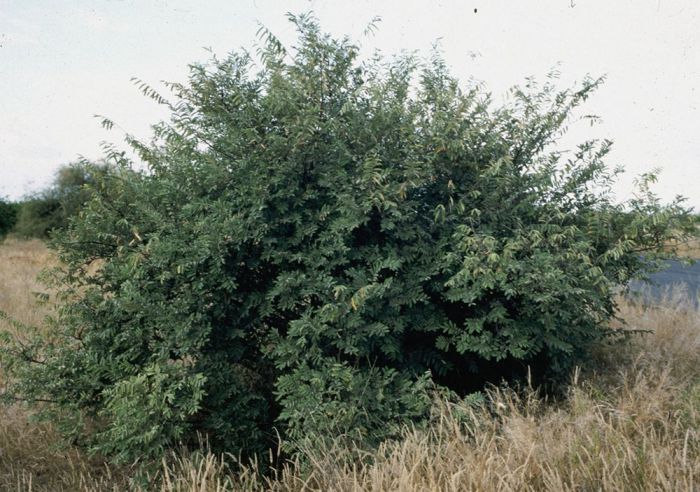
689 247
633 423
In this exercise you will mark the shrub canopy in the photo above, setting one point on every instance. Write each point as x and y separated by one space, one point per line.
318 240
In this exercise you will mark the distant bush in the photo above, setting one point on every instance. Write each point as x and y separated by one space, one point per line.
38 216
318 243
8 216
52 208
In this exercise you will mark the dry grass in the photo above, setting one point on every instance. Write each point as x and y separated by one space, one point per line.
690 247
20 263
633 423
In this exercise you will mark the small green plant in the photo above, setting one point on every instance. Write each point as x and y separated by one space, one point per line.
318 241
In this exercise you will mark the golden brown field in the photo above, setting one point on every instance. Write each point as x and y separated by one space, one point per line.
690 247
632 422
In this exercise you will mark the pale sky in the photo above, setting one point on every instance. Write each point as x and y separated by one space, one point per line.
61 62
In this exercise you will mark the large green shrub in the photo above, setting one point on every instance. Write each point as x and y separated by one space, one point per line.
320 239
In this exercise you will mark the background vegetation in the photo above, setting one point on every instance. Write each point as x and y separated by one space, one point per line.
37 215
8 217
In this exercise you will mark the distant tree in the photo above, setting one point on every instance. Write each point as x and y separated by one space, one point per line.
8 216
52 208
318 242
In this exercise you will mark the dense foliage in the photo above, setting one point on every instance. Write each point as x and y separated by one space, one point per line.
53 207
318 241
8 216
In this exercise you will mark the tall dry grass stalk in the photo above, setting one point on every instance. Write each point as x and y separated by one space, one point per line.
630 421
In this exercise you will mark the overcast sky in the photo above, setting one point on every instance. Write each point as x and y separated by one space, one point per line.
61 62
